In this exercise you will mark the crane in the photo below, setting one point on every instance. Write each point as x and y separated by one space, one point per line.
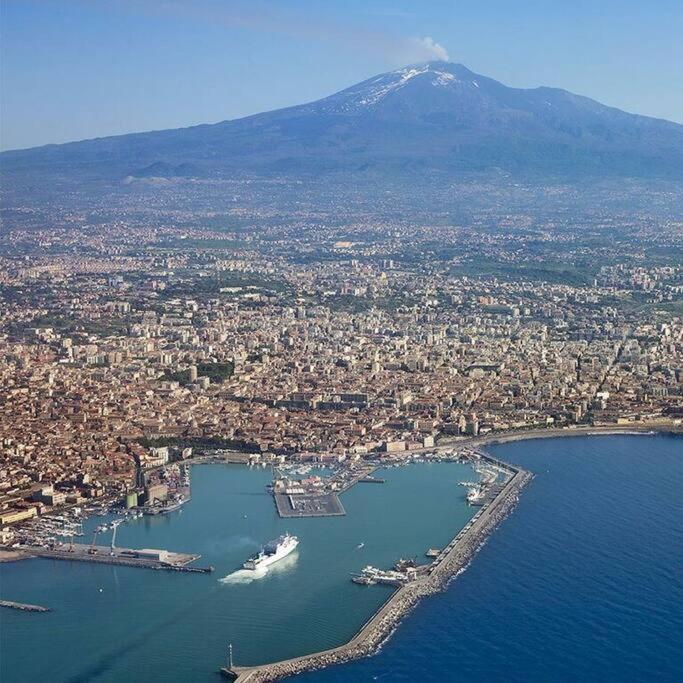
92 550
114 526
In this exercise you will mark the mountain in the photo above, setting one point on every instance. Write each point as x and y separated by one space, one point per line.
436 117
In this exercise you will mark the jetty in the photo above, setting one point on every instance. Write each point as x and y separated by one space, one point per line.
126 557
448 563
10 604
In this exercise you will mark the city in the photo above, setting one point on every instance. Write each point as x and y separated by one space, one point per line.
302 345
325 356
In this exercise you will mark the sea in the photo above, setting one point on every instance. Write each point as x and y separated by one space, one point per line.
582 582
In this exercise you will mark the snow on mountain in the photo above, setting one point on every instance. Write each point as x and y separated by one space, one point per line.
435 117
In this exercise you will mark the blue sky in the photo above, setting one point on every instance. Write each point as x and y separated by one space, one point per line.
74 69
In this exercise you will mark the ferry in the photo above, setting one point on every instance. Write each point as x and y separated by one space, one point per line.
272 552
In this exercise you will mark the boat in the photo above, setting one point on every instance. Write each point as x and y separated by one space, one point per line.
170 506
370 576
363 580
272 552
476 495
360 545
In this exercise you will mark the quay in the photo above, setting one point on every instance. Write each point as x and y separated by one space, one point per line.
449 562
10 604
127 557
326 504
308 505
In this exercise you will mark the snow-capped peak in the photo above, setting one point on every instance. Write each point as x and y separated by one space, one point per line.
369 93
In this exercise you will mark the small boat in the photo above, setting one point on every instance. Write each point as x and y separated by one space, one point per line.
360 545
363 580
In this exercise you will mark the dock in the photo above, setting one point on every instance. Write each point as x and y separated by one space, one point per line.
322 503
126 557
10 604
308 505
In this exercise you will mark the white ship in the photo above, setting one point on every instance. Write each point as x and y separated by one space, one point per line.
272 552
476 495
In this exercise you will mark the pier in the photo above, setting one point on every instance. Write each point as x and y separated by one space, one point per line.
10 604
449 562
325 503
308 505
126 557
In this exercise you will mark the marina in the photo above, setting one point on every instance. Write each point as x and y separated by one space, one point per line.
315 496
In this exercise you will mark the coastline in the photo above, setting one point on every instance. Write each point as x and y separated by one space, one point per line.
399 603
634 429
452 561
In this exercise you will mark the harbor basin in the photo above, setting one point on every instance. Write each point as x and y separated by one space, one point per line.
111 623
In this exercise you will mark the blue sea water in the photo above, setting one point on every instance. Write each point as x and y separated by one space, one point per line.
110 624
583 582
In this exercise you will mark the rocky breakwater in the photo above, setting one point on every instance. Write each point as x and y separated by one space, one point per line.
452 561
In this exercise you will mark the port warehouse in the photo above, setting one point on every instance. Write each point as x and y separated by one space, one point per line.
162 556
15 516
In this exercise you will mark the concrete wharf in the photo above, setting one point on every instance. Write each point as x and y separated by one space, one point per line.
448 564
10 604
308 505
126 557
322 504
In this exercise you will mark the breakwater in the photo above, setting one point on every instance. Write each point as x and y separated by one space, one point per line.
10 604
452 560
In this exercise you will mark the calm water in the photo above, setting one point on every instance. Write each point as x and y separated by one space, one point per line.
584 582
119 623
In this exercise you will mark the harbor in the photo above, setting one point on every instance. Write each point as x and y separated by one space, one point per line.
166 489
452 559
229 518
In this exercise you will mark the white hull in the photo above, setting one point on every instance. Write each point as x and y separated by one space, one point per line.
265 560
